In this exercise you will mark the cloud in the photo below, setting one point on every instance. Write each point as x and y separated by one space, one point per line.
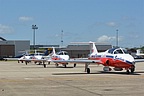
25 18
111 24
105 38
127 18
5 29
106 24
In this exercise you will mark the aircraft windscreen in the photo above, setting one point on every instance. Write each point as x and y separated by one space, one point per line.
62 53
111 50
120 51
117 51
125 51
65 53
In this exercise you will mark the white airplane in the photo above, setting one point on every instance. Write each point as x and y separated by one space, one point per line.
139 53
36 57
26 56
118 58
19 57
62 55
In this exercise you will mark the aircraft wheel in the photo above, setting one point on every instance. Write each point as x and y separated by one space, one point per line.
132 70
88 70
40 63
56 65
127 71
44 65
65 65
26 63
74 65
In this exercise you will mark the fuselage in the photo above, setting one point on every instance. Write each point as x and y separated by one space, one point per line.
62 55
115 58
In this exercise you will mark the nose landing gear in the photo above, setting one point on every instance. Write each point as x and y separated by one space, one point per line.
131 70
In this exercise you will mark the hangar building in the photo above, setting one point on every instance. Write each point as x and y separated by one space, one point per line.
12 48
76 50
83 50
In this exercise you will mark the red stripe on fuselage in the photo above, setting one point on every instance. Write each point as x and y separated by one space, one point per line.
112 62
56 58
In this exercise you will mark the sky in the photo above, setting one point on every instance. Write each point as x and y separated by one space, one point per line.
73 21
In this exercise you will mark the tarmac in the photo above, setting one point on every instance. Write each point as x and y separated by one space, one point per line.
18 79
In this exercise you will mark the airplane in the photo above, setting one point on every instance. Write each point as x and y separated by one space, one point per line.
118 58
139 54
62 55
25 54
36 57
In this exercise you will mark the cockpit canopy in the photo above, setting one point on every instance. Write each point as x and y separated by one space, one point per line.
62 53
117 51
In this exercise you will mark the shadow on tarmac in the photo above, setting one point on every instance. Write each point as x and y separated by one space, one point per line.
46 67
102 72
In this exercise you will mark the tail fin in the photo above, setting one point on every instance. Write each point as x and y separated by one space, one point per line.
26 53
46 52
35 51
138 51
93 48
53 52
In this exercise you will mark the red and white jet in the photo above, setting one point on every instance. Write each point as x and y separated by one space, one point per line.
62 56
36 57
118 58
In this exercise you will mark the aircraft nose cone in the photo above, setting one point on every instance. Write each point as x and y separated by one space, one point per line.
67 58
131 59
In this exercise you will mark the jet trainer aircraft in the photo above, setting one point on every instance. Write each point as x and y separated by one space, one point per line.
36 57
62 55
118 58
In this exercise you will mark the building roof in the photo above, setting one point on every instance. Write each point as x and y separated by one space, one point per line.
2 39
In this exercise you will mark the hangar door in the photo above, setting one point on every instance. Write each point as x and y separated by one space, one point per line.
7 50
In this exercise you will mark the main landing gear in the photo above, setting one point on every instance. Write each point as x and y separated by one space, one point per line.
87 69
44 65
74 64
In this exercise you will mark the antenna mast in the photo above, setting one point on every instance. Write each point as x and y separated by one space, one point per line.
61 38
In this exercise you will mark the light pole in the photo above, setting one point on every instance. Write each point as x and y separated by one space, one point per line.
34 27
117 38
61 38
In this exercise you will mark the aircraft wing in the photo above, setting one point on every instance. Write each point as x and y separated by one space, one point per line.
139 60
38 60
76 61
10 59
